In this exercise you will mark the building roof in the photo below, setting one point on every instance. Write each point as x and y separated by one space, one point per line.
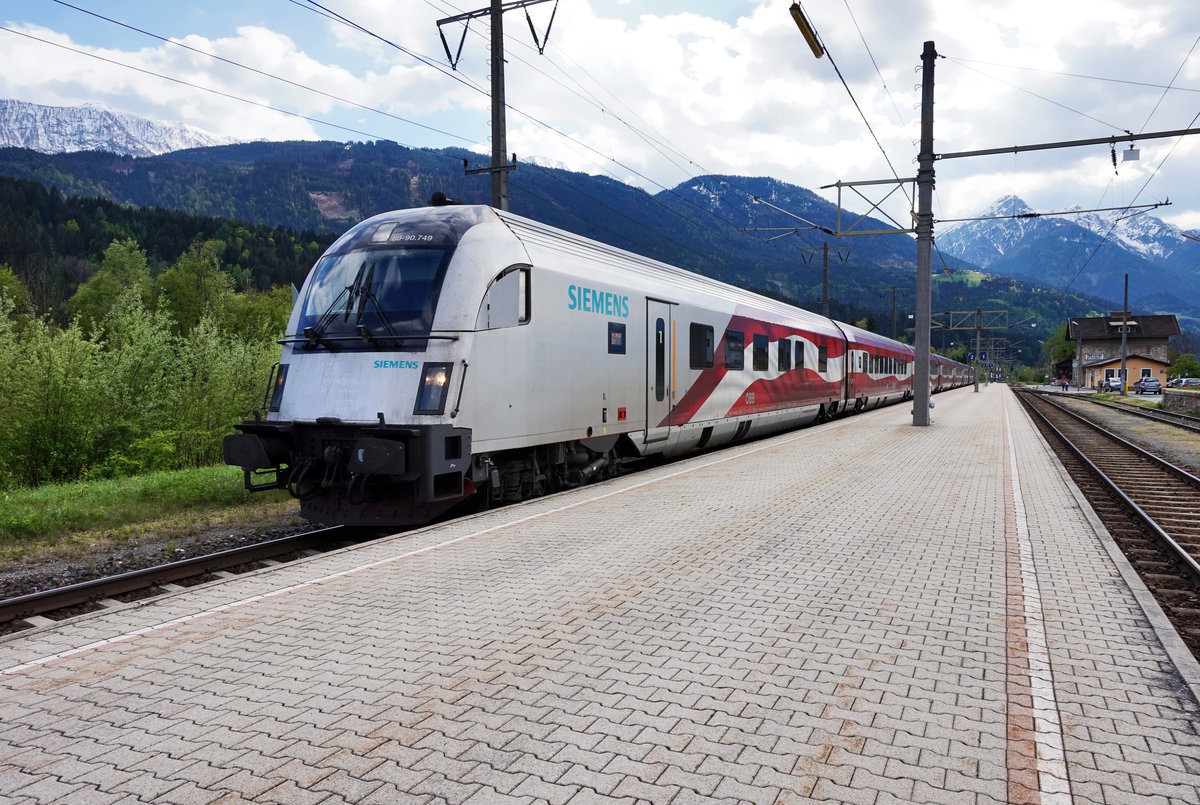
1103 328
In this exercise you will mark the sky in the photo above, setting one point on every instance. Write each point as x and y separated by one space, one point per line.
655 93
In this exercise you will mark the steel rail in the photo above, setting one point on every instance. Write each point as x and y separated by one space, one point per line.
1184 421
24 606
1181 553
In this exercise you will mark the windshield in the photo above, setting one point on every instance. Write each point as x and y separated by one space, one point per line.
372 298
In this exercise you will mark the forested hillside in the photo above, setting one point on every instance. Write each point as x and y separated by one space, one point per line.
711 224
54 242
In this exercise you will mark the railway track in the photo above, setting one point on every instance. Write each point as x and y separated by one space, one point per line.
27 611
1184 421
1150 506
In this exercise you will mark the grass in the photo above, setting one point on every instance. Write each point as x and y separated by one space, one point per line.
70 518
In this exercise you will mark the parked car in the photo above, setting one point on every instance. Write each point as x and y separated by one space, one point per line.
1189 382
1148 385
1112 384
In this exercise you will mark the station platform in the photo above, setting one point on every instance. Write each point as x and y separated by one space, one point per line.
860 612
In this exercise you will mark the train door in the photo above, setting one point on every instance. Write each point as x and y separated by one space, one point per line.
659 369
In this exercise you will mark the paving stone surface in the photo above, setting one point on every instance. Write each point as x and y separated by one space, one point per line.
825 616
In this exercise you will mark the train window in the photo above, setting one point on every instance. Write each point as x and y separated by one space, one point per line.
616 338
785 355
822 358
506 303
735 349
660 359
701 349
799 354
760 353
358 298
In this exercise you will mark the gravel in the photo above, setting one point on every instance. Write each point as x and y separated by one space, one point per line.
136 553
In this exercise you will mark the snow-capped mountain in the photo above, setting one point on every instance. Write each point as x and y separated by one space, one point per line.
64 129
1140 233
1087 252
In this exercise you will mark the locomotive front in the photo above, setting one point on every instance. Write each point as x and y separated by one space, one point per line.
359 422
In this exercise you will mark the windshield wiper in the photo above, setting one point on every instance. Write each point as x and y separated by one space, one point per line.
367 294
314 332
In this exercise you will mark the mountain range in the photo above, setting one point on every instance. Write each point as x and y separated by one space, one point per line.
63 129
1087 252
727 227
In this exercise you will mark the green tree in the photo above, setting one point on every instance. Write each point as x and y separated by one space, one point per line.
14 290
219 381
1057 346
258 316
1184 365
124 266
136 380
54 406
195 286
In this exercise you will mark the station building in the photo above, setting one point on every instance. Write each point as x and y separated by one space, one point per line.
1098 347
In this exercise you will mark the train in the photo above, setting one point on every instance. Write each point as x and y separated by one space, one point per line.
457 354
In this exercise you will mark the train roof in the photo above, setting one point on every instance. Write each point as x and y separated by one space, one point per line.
542 237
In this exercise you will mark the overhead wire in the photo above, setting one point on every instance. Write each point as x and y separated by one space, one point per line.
1106 79
1156 169
263 73
190 84
528 116
863 115
665 148
318 8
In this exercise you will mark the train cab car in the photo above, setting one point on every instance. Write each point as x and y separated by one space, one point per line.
448 353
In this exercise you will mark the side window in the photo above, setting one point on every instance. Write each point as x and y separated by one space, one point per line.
616 338
701 349
760 352
785 355
822 358
506 302
799 354
735 349
660 359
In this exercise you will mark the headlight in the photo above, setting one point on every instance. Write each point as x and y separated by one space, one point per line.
435 380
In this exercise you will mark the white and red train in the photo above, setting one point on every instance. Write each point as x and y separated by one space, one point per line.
440 353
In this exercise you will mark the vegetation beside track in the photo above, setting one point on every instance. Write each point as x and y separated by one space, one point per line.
72 519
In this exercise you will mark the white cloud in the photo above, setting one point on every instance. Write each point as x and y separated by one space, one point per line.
655 96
